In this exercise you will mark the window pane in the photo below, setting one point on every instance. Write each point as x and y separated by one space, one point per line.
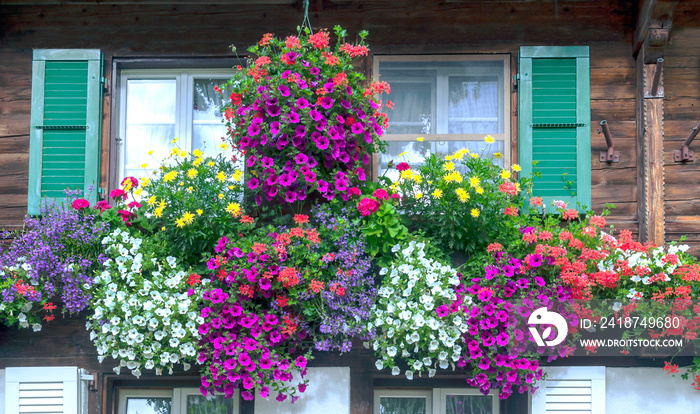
141 405
469 404
474 105
207 128
211 404
412 152
150 122
481 148
402 405
412 95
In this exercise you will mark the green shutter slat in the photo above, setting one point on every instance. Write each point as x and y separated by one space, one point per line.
554 122
66 123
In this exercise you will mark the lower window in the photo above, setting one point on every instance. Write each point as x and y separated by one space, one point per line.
434 401
174 401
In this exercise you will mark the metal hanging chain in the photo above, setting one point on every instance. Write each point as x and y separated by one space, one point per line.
306 22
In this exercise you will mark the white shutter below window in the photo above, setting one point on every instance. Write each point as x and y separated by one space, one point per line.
47 390
571 390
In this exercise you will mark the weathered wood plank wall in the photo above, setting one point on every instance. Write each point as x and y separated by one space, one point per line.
395 27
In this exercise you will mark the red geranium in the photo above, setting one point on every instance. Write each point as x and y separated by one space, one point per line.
80 203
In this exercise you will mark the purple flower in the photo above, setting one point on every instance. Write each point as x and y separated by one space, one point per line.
290 196
322 186
314 71
253 183
345 104
357 128
267 162
327 102
322 143
315 115
274 128
302 103
442 311
273 110
535 260
300 159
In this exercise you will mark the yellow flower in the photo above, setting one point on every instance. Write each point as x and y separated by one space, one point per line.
479 190
233 209
237 175
211 163
473 155
497 155
197 153
158 212
516 167
221 176
197 162
151 200
460 154
417 178
144 165
145 182
449 166
475 212
170 176
182 183
230 187
489 139
199 211
191 173
462 194
138 191
224 146
221 196
163 228
180 222
505 174
182 154
474 181
419 195
402 154
437 193
150 152
449 157
190 189
407 174
188 217
174 140
174 151
453 176
420 139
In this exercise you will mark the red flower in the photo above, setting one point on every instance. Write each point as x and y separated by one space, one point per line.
368 206
536 201
511 211
316 286
292 42
381 194
102 205
570 214
134 204
494 247
246 219
262 61
49 318
402 166
301 218
508 188
80 203
597 221
236 99
118 193
265 39
49 306
194 279
319 40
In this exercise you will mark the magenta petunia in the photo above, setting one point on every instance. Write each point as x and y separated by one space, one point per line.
284 90
327 102
300 159
290 196
253 183
322 143
442 311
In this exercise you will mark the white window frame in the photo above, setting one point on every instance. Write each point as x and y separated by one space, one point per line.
436 398
184 81
178 397
440 106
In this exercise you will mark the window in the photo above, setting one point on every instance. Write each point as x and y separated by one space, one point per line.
452 102
174 401
555 122
158 105
435 401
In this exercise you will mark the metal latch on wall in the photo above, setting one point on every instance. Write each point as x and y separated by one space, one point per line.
656 90
610 155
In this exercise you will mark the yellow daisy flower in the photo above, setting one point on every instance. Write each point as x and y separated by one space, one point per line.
151 200
197 153
516 167
221 176
505 174
144 165
475 212
138 191
211 163
150 152
196 162
174 140
449 166
497 155
192 172
158 212
223 146
418 196
489 139
437 193
420 139
479 190
199 211
188 217
233 209
474 181
462 194
170 176
473 155
221 196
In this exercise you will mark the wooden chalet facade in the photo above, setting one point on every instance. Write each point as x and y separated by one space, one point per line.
617 44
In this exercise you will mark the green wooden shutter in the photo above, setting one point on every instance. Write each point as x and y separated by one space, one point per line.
554 122
64 149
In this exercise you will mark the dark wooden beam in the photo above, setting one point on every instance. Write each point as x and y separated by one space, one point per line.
653 14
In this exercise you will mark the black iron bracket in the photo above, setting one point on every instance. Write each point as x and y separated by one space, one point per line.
685 154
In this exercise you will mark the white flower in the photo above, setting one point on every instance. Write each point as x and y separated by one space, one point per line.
395 371
36 327
383 271
391 351
379 364
431 372
433 346
395 248
409 375
417 365
443 364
